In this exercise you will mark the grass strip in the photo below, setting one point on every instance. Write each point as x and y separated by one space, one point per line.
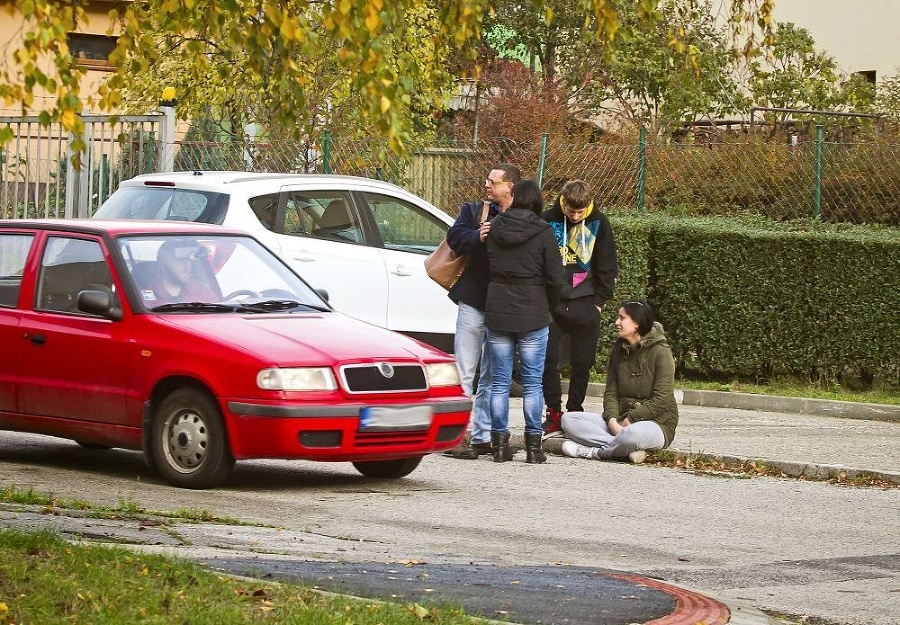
45 579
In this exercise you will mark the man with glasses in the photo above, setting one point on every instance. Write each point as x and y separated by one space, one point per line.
588 254
467 236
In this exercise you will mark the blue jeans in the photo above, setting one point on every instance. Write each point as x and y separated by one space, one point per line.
471 350
532 347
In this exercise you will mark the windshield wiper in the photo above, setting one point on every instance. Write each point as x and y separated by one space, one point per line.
271 305
195 307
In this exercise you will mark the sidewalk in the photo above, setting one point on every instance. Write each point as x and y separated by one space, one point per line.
816 439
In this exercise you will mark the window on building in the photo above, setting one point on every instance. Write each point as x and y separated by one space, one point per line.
869 75
92 51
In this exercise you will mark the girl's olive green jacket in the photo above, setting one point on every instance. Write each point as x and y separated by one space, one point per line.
640 382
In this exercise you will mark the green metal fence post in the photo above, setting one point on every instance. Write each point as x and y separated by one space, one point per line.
326 152
542 159
642 167
820 140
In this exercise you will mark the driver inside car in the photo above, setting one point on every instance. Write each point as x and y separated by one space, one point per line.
175 277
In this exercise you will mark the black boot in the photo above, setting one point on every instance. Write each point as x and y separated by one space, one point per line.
500 443
463 451
533 452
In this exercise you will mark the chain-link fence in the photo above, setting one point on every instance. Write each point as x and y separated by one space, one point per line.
834 182
742 174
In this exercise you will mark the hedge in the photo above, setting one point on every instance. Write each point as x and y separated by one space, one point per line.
750 298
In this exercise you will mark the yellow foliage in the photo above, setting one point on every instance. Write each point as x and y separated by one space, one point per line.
272 49
68 119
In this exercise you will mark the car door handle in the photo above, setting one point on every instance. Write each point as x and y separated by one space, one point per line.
400 270
305 257
37 339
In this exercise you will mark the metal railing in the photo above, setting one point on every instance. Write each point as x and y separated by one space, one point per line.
37 176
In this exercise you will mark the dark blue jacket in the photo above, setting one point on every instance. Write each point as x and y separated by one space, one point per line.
471 288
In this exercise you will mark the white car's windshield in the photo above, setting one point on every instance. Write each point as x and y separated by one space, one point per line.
165 202
212 274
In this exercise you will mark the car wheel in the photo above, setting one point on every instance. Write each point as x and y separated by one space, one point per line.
388 469
96 446
189 444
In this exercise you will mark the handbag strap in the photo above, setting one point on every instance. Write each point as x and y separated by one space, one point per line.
484 213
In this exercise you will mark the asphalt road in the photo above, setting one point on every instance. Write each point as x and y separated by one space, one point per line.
801 547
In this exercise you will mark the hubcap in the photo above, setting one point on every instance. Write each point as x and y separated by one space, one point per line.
186 441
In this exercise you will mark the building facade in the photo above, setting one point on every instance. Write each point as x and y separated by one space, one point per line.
858 34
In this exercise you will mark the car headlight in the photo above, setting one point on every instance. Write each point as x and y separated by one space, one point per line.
442 374
296 379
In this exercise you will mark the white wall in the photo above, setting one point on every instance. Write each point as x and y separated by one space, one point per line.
858 34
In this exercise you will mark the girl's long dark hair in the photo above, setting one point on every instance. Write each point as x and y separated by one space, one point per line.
527 195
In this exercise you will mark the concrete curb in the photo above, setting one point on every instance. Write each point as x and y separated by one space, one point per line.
806 470
798 405
774 403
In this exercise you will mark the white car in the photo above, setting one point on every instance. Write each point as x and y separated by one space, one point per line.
362 241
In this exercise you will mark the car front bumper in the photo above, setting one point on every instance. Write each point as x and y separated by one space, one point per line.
339 433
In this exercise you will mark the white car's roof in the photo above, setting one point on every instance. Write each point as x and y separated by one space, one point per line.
207 178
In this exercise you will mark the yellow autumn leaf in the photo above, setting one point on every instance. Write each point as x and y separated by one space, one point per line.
67 118
287 31
373 22
385 104
4 609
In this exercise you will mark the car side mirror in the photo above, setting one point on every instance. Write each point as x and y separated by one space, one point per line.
99 303
323 294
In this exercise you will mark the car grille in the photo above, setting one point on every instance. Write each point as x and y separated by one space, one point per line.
383 377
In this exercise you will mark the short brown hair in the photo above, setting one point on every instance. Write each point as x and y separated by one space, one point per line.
511 173
577 194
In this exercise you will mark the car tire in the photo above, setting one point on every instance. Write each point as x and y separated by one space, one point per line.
189 444
388 469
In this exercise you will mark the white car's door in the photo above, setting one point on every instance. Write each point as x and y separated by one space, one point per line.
323 240
416 304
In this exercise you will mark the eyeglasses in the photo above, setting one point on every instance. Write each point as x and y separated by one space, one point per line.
490 183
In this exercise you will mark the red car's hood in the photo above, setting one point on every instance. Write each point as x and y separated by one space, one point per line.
295 338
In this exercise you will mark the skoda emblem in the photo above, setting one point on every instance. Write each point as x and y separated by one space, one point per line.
386 369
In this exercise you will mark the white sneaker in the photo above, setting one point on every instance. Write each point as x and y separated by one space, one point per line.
574 450
637 457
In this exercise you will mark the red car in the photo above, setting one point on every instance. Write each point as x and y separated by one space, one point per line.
199 346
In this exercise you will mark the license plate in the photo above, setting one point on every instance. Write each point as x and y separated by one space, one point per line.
388 418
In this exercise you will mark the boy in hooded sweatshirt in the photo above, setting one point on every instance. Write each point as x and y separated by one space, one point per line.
588 254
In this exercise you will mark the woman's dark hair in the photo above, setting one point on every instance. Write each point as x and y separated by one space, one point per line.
527 195
641 312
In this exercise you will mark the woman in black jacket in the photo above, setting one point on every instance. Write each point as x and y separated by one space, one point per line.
526 280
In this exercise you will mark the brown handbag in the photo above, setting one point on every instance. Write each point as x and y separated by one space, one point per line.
445 266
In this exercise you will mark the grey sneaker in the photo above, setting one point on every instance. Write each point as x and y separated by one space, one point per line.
637 457
574 450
